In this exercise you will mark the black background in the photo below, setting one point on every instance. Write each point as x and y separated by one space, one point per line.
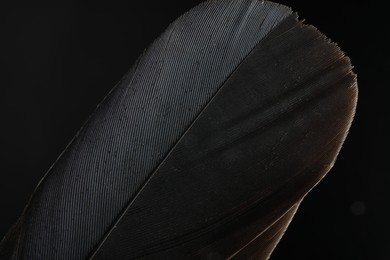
57 63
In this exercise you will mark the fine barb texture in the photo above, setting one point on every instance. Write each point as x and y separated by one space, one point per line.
204 149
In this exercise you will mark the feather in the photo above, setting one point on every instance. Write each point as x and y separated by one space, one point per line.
204 149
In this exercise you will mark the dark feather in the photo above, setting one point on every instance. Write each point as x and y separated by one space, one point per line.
204 149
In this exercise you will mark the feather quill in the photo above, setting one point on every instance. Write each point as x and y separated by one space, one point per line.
204 149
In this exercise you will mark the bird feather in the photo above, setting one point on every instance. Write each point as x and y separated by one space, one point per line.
204 149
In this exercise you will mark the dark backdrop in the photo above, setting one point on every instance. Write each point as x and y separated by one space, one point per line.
57 63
